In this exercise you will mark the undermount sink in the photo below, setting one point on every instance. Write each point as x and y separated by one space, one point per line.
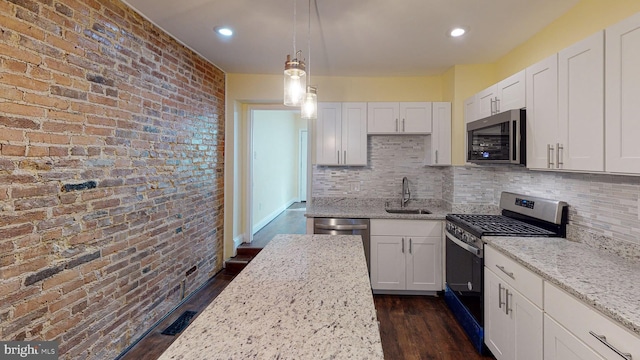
408 211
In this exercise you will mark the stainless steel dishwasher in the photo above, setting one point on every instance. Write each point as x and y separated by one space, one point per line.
339 226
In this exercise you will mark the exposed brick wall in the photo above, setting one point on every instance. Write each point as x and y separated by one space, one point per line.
111 173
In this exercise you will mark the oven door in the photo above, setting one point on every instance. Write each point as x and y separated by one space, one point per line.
464 275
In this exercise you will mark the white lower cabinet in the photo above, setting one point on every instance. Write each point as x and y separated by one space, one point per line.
595 331
406 255
560 344
512 323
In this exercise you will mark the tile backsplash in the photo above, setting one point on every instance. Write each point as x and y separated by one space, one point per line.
603 208
390 158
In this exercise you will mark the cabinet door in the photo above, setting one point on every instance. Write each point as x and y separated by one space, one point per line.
383 117
498 327
440 152
622 91
329 134
581 105
470 109
542 113
424 267
354 133
511 93
486 101
560 344
388 263
527 326
415 117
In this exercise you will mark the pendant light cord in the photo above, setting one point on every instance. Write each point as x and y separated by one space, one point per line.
294 28
309 49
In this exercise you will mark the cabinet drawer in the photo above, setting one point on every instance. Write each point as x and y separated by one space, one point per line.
514 274
406 227
581 319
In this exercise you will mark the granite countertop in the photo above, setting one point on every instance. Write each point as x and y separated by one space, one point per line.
302 297
374 209
601 279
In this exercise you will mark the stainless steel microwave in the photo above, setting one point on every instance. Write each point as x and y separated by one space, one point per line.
499 138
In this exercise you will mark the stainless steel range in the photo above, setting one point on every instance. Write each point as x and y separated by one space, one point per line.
522 215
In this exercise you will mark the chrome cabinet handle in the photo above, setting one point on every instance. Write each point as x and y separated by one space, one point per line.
500 302
436 156
603 339
492 102
403 125
509 274
506 297
396 125
558 156
410 245
497 105
403 245
338 156
550 163
345 158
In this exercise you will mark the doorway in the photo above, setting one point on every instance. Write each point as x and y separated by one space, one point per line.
277 171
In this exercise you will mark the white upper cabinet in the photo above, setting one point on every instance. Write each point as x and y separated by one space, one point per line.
471 109
486 102
415 117
508 94
383 117
341 134
565 108
623 96
399 118
511 93
580 144
542 112
439 149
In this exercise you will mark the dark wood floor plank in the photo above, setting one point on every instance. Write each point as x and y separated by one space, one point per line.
290 221
421 327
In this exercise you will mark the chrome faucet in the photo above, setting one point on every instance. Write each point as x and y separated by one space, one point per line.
405 191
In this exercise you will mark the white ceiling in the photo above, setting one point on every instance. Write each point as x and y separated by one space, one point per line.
353 37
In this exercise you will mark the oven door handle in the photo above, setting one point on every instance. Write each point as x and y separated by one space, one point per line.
464 245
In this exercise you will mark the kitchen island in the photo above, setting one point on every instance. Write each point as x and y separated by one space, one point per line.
302 297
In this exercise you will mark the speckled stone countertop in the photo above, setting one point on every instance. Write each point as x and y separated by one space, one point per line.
374 209
601 279
302 297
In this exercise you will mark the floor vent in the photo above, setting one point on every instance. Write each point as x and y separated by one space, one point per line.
180 324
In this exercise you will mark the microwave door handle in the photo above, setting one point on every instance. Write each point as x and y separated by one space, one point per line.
514 142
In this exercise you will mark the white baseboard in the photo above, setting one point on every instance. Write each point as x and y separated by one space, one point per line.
262 223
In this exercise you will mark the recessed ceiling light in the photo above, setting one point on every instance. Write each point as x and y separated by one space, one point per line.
223 30
457 32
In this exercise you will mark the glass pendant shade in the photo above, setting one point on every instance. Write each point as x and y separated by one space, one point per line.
295 81
309 108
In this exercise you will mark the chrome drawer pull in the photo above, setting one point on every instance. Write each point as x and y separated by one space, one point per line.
603 339
506 298
509 274
500 302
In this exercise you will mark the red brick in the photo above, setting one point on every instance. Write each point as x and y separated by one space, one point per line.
13 150
11 93
24 110
60 278
46 138
12 135
35 303
47 101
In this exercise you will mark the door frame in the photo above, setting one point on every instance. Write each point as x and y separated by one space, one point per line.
303 134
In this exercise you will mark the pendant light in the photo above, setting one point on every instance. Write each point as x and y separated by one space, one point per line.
295 76
309 108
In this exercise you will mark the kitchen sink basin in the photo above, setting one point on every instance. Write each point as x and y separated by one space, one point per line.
408 211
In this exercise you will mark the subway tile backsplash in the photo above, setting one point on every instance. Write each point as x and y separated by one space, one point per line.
603 209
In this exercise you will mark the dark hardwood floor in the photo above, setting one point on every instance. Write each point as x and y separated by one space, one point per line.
290 221
421 328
